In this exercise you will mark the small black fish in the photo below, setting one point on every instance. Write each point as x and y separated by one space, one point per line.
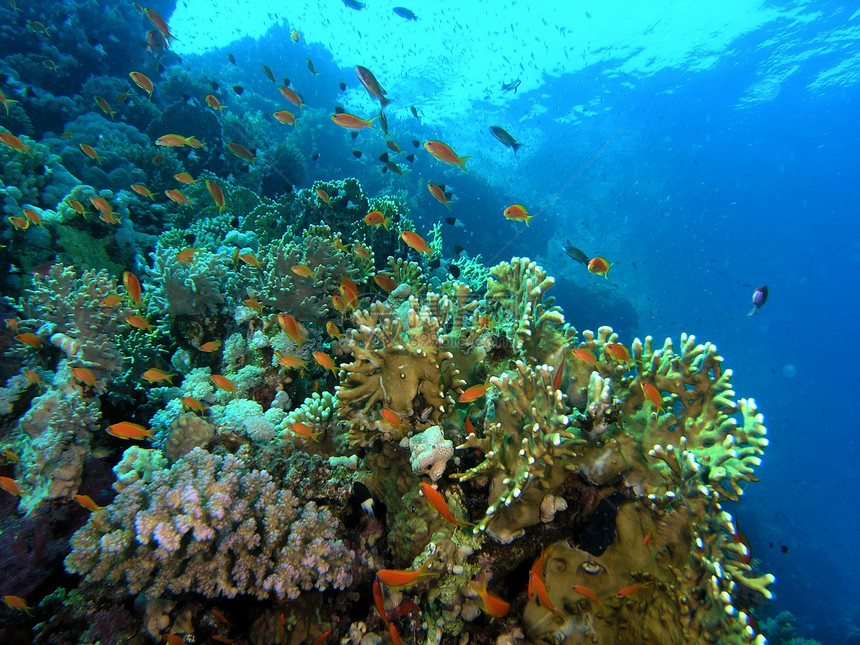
214 85
342 86
311 67
575 254
315 156
354 4
436 263
288 187
454 270
186 97
783 548
403 12
384 157
457 249
238 89
410 158
338 109
414 111
416 143
232 59
286 81
453 221
353 134
356 154
505 137
759 299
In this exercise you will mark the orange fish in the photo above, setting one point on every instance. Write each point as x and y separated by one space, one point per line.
379 600
394 634
155 375
32 377
291 328
349 291
172 141
250 258
291 96
285 116
333 331
174 639
132 287
217 194
101 205
15 143
184 178
468 426
599 266
588 593
161 24
192 403
143 82
29 339
87 502
559 375
518 213
618 352
79 208
251 303
323 195
537 588
12 323
10 486
444 153
242 152
90 152
392 418
213 102
17 603
6 102
220 616
416 242
223 383
647 538
187 255
492 604
211 346
352 122
128 430
223 639
302 430
19 223
376 218
142 190
403 578
653 395
157 159
121 98
386 283
439 193
291 362
104 106
84 375
194 143
626 591
585 355
32 216
138 322
109 218
339 304
361 251
475 392
176 197
435 499
325 361
392 145
302 270
371 85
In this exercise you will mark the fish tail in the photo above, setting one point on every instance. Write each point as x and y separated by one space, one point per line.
753 312
516 146
461 161
384 101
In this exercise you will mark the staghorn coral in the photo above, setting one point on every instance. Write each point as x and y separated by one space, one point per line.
216 526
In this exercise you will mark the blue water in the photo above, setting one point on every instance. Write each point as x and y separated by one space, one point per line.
704 151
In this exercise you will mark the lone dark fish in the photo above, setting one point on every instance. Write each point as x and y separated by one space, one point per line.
311 67
403 12
371 84
342 86
414 111
383 122
575 254
232 58
759 299
269 74
238 89
354 4
505 137
513 85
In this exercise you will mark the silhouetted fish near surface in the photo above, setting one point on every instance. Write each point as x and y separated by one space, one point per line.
414 111
353 4
759 299
505 137
575 254
403 12
513 85
342 86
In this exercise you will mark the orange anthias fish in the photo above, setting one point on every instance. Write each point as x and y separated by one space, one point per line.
128 430
323 195
474 393
376 218
213 102
291 328
250 259
339 304
10 486
192 403
587 593
349 291
444 153
84 375
76 206
161 24
285 116
104 208
518 213
302 270
143 191
242 152
155 375
435 499
29 339
294 36
6 102
379 600
352 122
223 383
371 85
291 362
19 223
404 577
15 143
333 331
626 591
653 395
210 346
253 304
89 151
217 195
599 266
87 502
138 322
184 178
176 197
394 634
187 255
291 96
492 604
386 283
439 193
17 603
104 106
302 430
618 352
132 287
392 418
585 355
415 241
173 141
143 82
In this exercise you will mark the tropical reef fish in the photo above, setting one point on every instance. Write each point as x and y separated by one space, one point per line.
416 242
353 4
443 152
17 603
210 346
474 393
435 499
138 322
89 151
29 339
291 328
513 85
371 84
376 218
585 355
759 299
575 254
87 502
505 137
518 213
6 102
84 375
217 194
143 82
291 96
10 486
396 578
172 141
346 120
284 116
311 67
132 286
128 430
104 106
213 102
294 36
142 190
490 603
403 12
155 375
177 197
302 430
618 352
599 266
242 152
223 383
269 73
15 143
161 24
438 191
587 593
325 361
